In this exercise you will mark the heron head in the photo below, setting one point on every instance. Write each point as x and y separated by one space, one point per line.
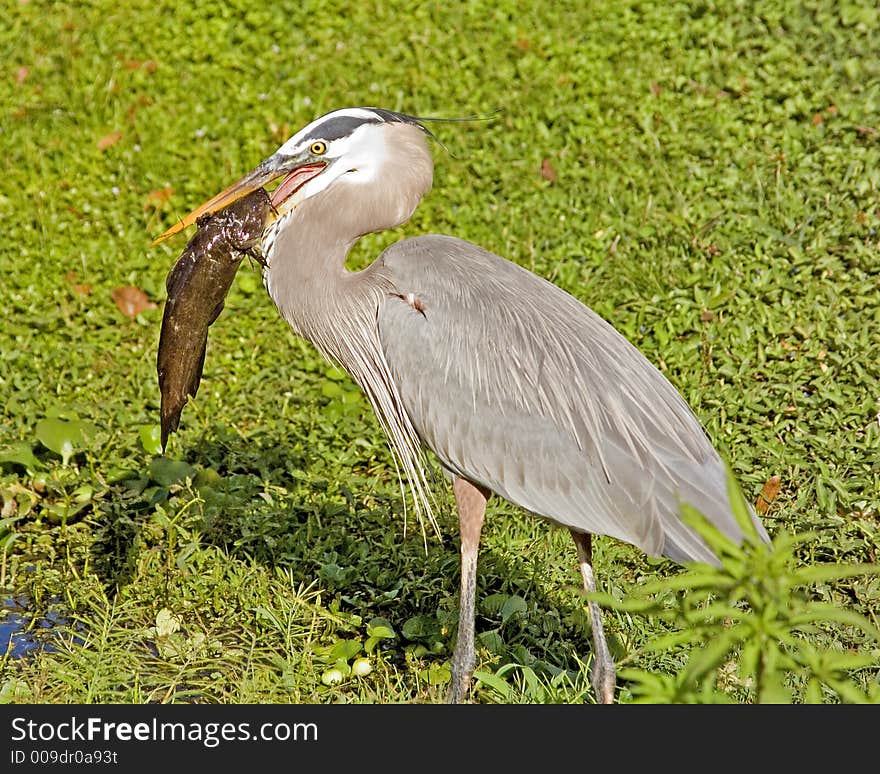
351 146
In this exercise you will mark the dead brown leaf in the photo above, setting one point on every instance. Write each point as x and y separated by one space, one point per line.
655 89
108 140
131 301
142 101
769 492
80 288
158 197
547 171
149 65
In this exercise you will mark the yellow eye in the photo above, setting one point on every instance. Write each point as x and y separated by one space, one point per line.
318 148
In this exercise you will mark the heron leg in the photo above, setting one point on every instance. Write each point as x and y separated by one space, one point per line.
471 501
603 676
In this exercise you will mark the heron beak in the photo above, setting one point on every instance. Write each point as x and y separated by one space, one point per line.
298 174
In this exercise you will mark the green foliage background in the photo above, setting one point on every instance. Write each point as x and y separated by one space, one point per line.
715 197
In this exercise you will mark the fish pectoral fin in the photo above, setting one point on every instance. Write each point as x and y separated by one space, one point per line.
256 255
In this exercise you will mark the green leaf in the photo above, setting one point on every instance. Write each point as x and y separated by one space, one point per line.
813 693
722 545
20 454
167 472
207 478
492 641
772 690
420 627
847 662
381 629
151 438
345 650
494 682
65 437
820 573
331 390
672 641
703 660
512 605
741 511
437 674
819 611
492 604
335 374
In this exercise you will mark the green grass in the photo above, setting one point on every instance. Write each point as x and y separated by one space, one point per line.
716 199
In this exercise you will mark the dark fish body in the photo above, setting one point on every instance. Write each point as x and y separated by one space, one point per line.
197 286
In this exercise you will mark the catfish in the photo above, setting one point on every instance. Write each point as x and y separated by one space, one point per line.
197 286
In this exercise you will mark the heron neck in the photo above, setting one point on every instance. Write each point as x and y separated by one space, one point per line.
306 276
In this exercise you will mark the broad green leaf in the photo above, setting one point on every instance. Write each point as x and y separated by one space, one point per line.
151 438
331 390
345 650
207 478
166 472
380 629
492 641
20 454
494 682
437 674
512 605
848 692
420 626
335 374
492 604
65 437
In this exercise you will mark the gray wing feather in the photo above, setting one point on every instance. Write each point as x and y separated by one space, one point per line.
516 385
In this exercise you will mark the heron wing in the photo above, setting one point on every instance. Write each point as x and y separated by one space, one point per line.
516 385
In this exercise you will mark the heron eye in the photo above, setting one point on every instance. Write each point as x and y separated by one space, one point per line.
319 148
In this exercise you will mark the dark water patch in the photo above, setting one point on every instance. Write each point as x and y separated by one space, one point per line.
22 633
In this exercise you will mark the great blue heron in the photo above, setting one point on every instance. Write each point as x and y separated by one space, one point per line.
516 386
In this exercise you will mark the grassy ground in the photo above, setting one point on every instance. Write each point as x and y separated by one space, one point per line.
710 186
